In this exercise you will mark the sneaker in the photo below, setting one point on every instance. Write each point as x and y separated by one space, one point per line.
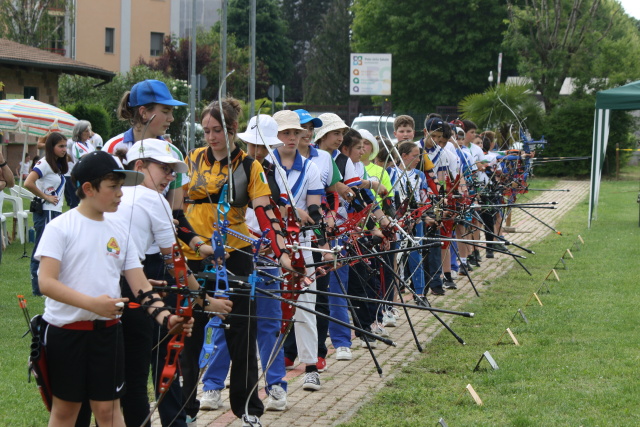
454 274
343 353
473 260
311 381
449 284
288 364
372 341
192 422
490 254
251 421
321 364
211 399
388 320
421 301
465 269
476 254
380 330
437 291
277 400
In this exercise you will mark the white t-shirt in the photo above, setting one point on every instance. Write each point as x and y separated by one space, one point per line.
77 149
303 179
147 214
413 180
96 140
92 255
50 183
125 141
24 168
324 162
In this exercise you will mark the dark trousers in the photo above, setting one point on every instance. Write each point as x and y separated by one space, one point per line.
141 334
488 219
40 220
241 342
70 193
360 286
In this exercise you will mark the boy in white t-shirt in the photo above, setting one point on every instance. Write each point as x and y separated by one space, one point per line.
82 254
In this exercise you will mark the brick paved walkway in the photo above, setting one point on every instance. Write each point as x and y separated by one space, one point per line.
346 385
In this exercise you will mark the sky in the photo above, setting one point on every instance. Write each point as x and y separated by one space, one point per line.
632 7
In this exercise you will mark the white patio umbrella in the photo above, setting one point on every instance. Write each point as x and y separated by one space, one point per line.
37 118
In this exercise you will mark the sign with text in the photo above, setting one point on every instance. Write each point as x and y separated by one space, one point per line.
370 74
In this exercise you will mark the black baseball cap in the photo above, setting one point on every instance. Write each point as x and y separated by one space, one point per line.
434 124
98 164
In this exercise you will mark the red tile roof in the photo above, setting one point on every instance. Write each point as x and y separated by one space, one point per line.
16 54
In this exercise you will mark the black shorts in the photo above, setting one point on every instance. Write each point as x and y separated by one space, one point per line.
86 364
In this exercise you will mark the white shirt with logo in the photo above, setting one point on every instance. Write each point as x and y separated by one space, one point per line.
92 255
148 215
50 183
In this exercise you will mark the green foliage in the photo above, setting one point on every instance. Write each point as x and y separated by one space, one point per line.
238 60
502 108
304 18
613 61
176 58
272 44
94 113
267 106
28 22
327 80
442 51
584 40
76 89
569 130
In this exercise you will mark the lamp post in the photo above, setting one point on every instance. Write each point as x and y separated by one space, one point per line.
490 78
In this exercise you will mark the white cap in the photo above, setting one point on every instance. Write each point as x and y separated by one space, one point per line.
372 139
287 119
264 132
330 122
158 150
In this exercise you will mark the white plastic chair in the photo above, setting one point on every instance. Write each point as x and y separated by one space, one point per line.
18 212
22 192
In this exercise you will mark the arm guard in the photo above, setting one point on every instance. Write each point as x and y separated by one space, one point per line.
184 229
268 223
316 216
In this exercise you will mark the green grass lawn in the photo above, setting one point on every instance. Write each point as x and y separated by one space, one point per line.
577 364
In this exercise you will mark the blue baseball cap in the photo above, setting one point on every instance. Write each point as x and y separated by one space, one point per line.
151 92
305 117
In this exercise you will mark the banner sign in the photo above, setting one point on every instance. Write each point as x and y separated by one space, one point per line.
370 74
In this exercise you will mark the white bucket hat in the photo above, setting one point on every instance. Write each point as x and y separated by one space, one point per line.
372 139
158 150
287 119
264 132
330 122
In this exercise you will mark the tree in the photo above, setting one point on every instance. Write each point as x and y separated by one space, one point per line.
96 114
442 51
305 20
76 89
569 131
37 23
272 45
327 80
238 60
176 57
504 108
568 38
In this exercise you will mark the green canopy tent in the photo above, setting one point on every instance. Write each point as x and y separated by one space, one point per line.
625 97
